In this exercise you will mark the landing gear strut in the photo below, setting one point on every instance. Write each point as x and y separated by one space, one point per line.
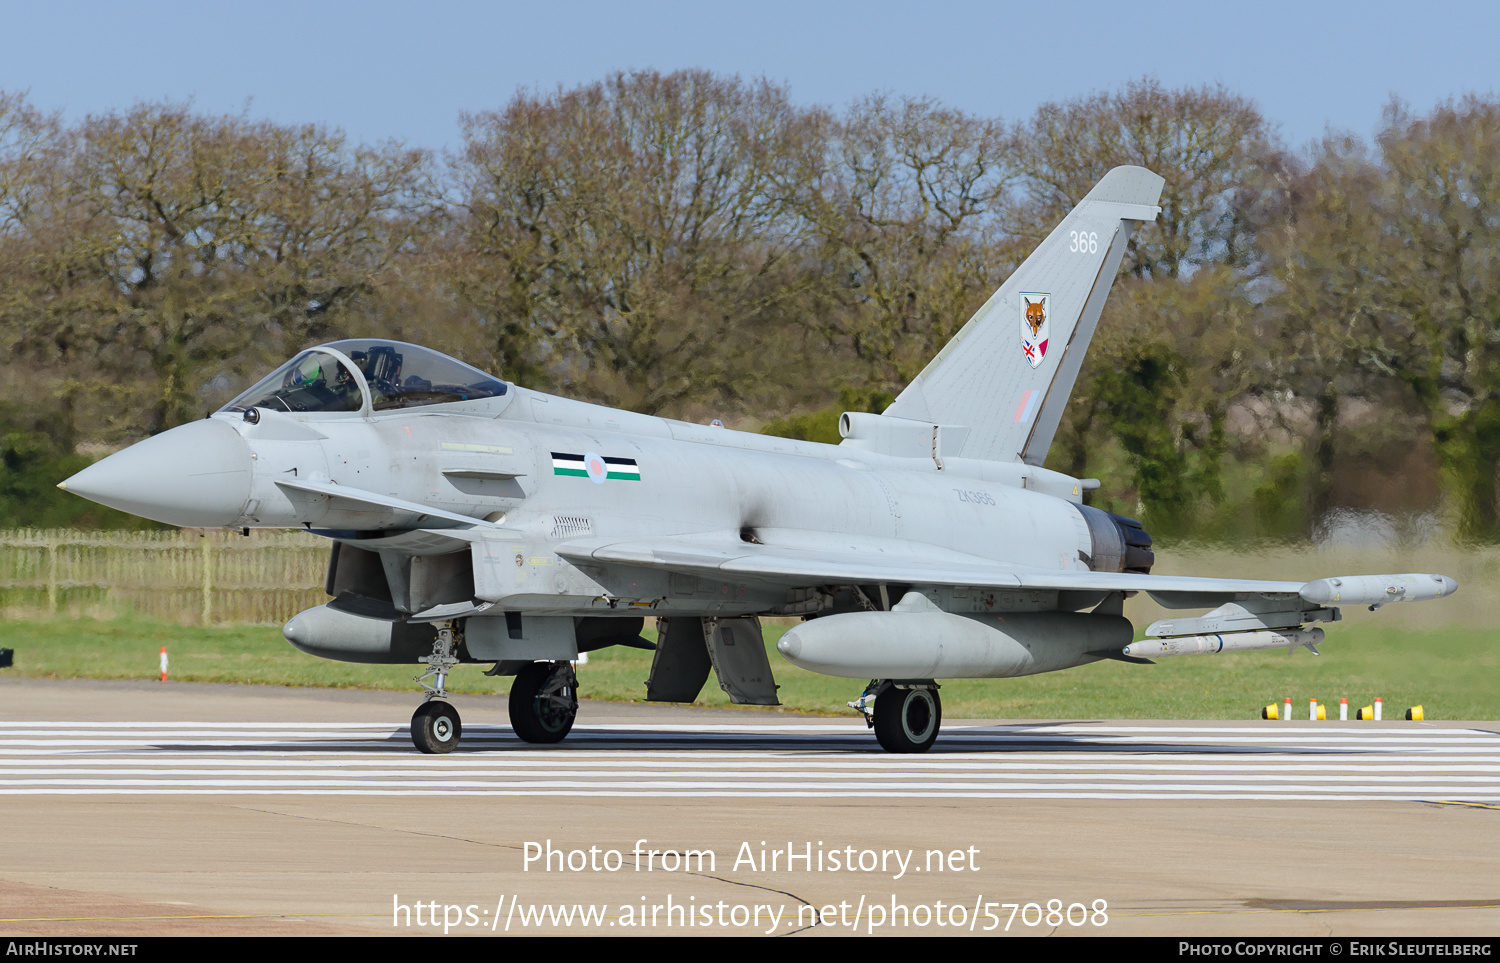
905 715
435 726
544 701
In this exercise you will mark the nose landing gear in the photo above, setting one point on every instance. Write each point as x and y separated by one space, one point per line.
435 726
543 700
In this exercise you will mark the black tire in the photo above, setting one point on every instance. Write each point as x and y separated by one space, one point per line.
907 720
544 702
436 727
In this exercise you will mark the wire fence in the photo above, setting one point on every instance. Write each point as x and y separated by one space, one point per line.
191 577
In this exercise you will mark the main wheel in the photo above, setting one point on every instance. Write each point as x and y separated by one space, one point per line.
544 701
435 727
907 720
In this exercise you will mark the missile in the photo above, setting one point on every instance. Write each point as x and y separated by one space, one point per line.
1228 642
918 640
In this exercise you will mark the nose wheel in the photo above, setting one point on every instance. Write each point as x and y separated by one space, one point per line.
544 701
436 727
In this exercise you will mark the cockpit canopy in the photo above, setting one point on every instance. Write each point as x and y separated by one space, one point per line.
365 374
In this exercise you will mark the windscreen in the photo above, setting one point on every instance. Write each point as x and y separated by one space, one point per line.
312 381
399 375
406 375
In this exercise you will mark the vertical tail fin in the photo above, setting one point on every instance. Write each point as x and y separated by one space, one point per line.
1009 371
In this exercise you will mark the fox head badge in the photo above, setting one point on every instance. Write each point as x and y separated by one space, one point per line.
1034 327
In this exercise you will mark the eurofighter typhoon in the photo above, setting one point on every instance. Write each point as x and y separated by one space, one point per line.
476 521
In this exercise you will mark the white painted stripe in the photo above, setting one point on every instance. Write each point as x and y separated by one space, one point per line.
314 726
771 780
1270 731
469 763
741 792
1115 762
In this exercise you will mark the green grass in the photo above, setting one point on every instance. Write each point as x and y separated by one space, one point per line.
1453 673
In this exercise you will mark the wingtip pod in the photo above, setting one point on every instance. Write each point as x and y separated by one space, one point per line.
1377 589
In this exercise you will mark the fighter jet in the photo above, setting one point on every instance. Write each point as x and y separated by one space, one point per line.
471 520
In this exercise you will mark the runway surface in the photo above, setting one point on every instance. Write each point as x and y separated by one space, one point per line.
1061 761
140 809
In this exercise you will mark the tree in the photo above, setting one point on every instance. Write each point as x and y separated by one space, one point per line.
1444 214
634 237
908 207
196 243
1330 262
1186 324
28 144
1214 148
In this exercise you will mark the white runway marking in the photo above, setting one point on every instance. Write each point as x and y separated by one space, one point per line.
1038 761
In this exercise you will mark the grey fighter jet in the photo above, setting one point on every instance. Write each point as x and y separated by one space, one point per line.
474 521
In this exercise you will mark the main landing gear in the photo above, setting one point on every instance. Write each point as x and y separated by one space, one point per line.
905 713
543 700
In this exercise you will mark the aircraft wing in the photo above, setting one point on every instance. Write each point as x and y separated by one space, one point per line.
828 560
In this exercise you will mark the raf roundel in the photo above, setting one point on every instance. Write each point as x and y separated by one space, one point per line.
594 465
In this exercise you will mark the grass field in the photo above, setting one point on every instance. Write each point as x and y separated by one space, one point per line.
1453 673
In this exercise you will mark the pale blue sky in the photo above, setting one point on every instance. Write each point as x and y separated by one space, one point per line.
382 69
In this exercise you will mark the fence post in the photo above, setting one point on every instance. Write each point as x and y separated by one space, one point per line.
51 575
208 584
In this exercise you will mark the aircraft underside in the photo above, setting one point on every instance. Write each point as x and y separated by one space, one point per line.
898 637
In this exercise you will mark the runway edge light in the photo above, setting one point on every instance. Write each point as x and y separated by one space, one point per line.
1414 714
1269 712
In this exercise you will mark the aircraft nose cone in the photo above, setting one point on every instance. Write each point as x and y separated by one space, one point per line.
196 475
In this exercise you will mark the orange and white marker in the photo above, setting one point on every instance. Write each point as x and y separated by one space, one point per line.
164 663
1343 710
1312 710
1377 708
1287 715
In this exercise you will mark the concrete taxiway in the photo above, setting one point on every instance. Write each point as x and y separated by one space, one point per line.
143 808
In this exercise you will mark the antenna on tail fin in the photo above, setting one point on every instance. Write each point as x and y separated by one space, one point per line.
1007 374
